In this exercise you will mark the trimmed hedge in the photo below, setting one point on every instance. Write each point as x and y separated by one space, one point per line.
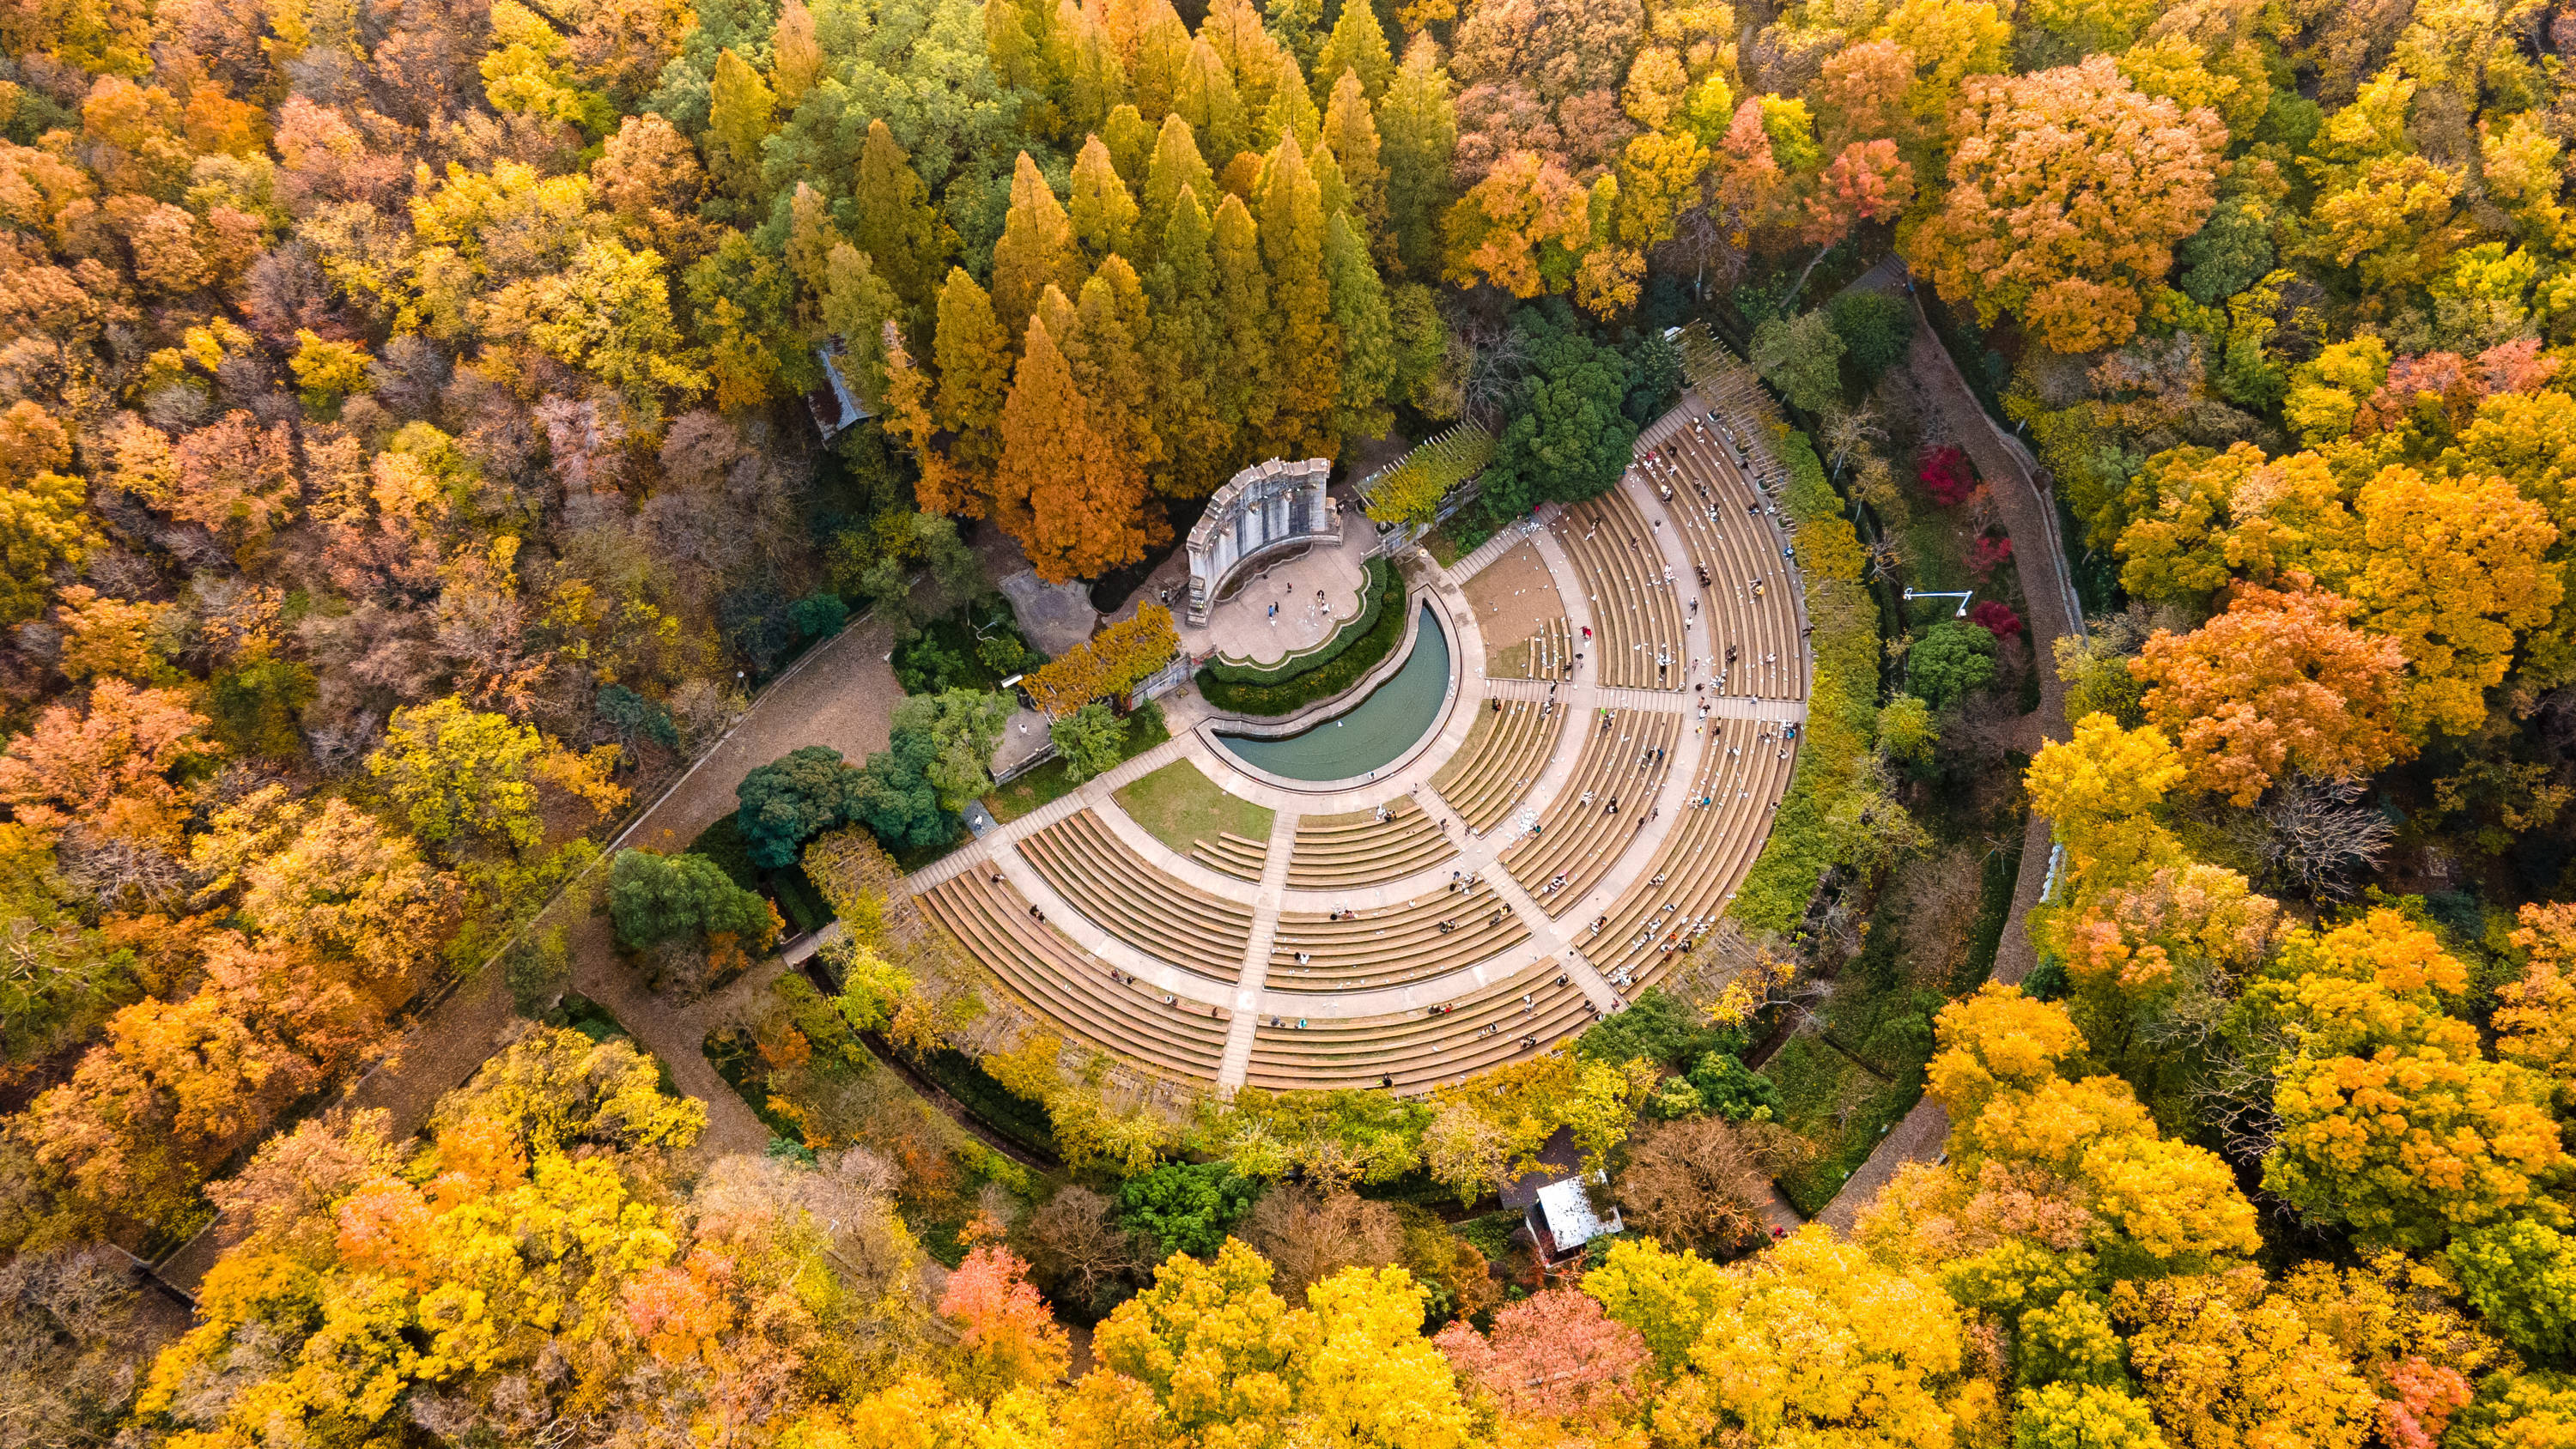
1372 600
1365 653
1810 830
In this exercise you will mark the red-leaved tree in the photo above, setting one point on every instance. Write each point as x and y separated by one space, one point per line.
1553 1355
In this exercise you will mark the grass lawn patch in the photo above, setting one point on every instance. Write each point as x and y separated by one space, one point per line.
1460 536
1047 783
798 902
1491 1234
1178 804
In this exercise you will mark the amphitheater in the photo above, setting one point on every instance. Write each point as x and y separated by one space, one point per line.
1590 795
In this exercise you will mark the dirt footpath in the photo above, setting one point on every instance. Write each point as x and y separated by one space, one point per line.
841 694
1512 597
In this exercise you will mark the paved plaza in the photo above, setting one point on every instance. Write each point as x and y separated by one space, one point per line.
1314 591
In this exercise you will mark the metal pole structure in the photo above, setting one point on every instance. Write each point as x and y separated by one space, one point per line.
1962 595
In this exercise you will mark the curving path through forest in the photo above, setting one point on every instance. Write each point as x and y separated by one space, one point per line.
2030 515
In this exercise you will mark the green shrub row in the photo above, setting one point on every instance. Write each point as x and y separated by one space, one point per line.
1821 819
1365 653
1381 578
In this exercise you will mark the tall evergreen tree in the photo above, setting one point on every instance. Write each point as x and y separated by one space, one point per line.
1017 36
1358 47
1350 131
796 59
856 305
1308 350
1106 353
1162 55
1036 250
1095 76
1062 490
1417 126
1102 210
1262 66
1190 350
741 112
1130 138
894 223
1177 167
1291 112
1208 100
909 415
1247 396
810 239
973 351
1367 333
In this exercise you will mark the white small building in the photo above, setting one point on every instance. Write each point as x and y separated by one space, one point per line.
1555 1210
1561 1221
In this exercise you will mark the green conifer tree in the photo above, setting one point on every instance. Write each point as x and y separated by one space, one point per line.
973 352
1102 210
741 112
1247 397
1308 369
1108 363
1209 101
1190 350
1367 332
1036 250
1162 55
1358 47
1177 167
1418 129
1131 143
894 222
1350 130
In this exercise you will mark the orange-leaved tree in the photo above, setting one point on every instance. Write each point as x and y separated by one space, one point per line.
2068 193
2280 682
1075 502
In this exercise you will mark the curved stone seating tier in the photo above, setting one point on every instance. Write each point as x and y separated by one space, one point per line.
1338 851
1580 838
1710 498
1503 756
1419 1049
1231 854
1708 503
1394 944
1701 863
1550 652
1124 895
1071 987
1636 613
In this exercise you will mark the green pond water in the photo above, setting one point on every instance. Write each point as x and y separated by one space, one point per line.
1379 728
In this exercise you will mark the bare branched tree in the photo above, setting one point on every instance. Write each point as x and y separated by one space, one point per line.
1849 432
1310 1236
1498 354
1704 1182
2317 835
65 1374
1075 1246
